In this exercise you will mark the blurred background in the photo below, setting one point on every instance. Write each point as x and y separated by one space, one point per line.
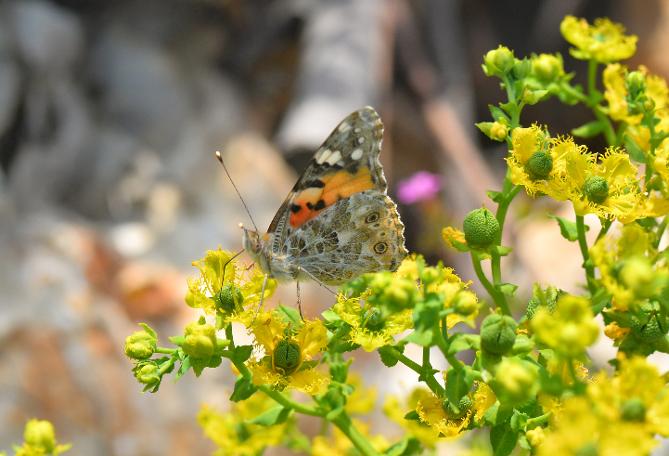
110 113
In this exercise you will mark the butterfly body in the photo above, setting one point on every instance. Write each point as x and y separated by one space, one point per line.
337 222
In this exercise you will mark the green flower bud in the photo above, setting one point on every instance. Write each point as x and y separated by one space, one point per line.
636 84
515 382
40 434
148 374
242 432
498 131
465 303
498 334
547 67
372 319
286 356
199 340
633 410
140 345
465 403
539 165
521 68
228 299
596 189
649 328
498 62
398 294
481 228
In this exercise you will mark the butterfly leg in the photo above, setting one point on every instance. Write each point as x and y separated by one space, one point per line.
311 276
262 297
299 300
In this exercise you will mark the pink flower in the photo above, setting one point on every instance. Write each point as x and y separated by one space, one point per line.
419 187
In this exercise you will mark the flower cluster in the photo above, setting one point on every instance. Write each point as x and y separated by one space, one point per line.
39 439
523 372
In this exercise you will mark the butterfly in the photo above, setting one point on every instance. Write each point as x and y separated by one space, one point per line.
338 221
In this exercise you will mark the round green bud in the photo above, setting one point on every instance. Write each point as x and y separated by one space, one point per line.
199 340
547 67
498 131
399 294
498 334
286 356
636 84
148 374
372 319
41 435
633 410
228 299
481 228
596 189
498 61
515 381
465 403
539 165
465 303
140 345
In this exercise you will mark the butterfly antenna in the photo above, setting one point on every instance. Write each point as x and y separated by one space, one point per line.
219 157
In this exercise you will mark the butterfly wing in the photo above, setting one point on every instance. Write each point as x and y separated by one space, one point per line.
346 163
359 234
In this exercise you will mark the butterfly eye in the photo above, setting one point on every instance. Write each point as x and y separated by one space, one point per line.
380 247
371 218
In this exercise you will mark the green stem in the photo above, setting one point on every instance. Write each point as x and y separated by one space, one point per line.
496 295
345 425
594 96
583 244
606 224
442 343
165 350
537 421
417 368
229 336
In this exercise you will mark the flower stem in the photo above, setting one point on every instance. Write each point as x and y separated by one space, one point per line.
495 294
583 244
417 368
345 425
594 96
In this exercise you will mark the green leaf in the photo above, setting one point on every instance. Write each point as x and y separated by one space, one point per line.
461 342
387 354
458 383
518 421
503 250
290 315
503 440
495 196
331 316
244 389
567 228
635 152
589 129
408 446
422 338
508 289
275 415
600 300
241 353
498 114
412 416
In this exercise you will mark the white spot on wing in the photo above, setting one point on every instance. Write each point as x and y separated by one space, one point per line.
357 130
356 154
323 156
361 140
344 127
334 157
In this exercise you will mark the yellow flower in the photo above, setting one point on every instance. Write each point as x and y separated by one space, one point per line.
628 267
661 164
40 440
454 238
604 42
618 415
288 352
570 329
531 163
371 326
436 413
231 292
396 410
232 432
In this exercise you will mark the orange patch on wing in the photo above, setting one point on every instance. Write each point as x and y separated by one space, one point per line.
308 203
